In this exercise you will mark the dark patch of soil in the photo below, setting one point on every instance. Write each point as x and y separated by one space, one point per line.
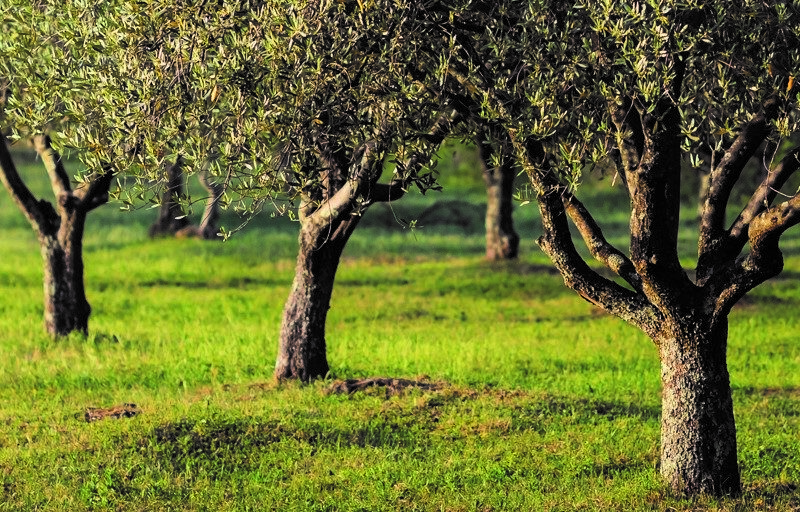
393 386
116 412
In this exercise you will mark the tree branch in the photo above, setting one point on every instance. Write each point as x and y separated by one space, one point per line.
764 195
726 173
598 246
59 179
764 260
40 213
95 193
384 193
556 242
630 139
341 202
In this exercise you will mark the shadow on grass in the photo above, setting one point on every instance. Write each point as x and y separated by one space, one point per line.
216 445
243 282
402 422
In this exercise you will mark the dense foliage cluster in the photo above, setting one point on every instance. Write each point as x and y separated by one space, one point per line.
255 90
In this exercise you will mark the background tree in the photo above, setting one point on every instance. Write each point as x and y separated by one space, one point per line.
171 215
44 77
173 218
648 85
280 101
499 172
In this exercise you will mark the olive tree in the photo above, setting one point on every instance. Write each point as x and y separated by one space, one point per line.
294 103
356 102
651 87
44 76
302 102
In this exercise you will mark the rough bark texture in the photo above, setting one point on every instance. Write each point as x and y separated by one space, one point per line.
60 233
302 351
698 432
66 309
502 242
171 217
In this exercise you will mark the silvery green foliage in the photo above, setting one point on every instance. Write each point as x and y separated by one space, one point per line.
251 90
551 69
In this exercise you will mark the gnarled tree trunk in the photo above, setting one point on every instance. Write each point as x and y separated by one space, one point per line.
60 233
328 216
502 242
698 432
302 352
66 309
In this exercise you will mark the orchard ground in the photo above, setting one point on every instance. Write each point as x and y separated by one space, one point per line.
530 398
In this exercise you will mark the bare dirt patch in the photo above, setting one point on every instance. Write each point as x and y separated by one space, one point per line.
118 411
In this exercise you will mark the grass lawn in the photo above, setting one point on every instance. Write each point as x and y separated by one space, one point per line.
533 399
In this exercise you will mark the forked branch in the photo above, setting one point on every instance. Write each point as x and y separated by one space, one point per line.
764 196
725 174
598 246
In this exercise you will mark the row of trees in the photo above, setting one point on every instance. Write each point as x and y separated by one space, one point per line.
301 104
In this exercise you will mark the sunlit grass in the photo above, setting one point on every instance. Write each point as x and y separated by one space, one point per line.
541 401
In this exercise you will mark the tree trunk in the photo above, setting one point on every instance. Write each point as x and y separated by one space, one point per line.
208 229
171 217
60 233
66 309
209 224
302 349
698 432
502 242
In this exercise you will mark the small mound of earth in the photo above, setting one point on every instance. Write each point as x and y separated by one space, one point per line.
393 386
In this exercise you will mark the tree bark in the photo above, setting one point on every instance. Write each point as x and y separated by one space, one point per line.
60 233
698 432
302 352
171 217
502 242
66 308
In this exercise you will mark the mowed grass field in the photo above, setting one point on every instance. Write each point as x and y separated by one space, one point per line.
532 399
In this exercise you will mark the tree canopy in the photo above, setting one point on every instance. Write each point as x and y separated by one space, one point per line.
293 99
649 87
251 89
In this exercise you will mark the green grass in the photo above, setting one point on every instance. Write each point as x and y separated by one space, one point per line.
543 402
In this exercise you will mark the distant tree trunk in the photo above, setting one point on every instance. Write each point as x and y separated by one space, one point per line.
502 242
60 232
171 217
209 224
302 352
698 432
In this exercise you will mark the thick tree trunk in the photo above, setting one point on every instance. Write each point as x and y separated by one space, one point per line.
302 349
171 218
698 432
502 242
66 309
